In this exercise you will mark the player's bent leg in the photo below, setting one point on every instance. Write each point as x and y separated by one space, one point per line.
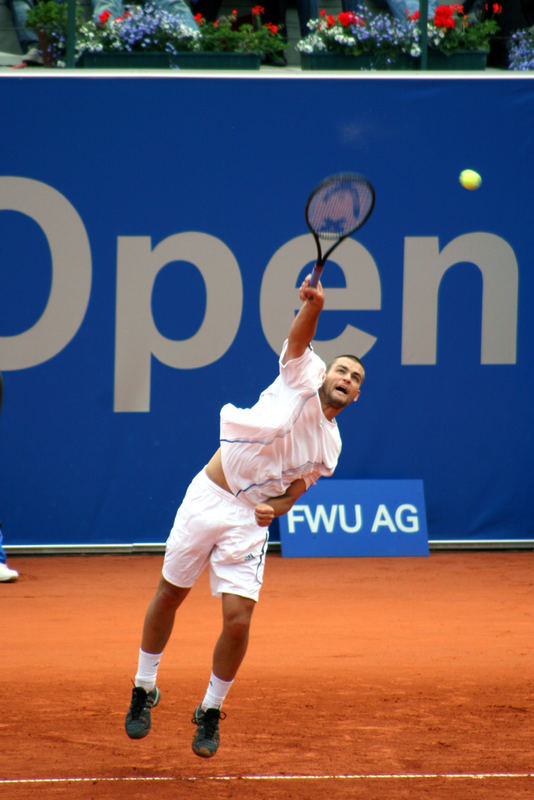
159 618
227 657
233 642
159 621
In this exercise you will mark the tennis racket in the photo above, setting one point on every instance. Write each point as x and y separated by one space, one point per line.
335 209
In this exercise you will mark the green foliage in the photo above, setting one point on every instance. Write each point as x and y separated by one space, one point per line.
225 35
450 29
149 28
51 15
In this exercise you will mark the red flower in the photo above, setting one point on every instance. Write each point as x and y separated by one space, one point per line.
104 16
322 13
257 10
443 16
345 18
272 28
444 22
330 21
234 12
413 17
496 8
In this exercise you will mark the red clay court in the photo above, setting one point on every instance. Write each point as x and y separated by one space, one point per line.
366 678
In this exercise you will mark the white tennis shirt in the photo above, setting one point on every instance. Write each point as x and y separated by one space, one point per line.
284 436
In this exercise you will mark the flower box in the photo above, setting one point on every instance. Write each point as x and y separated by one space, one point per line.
209 60
454 40
147 37
186 60
124 60
457 60
334 61
363 61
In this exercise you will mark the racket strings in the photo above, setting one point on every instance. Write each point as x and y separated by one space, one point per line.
339 208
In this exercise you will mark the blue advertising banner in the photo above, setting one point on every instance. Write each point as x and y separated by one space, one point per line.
152 236
357 518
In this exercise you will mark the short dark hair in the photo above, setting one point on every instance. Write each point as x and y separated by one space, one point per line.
347 355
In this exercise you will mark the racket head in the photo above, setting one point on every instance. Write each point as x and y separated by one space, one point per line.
338 206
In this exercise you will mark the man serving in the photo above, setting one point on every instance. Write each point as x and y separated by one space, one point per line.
269 455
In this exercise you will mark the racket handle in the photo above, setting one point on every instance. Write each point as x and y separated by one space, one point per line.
316 274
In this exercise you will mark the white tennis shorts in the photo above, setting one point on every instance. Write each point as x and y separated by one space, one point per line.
212 526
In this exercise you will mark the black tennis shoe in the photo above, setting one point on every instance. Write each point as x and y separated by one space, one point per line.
206 739
138 720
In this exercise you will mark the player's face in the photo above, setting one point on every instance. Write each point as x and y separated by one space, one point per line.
342 382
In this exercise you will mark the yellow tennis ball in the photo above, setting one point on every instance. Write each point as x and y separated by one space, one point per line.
470 179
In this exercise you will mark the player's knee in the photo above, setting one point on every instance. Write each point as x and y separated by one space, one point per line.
169 595
237 622
237 628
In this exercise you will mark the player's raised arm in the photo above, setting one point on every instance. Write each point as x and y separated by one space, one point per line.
304 325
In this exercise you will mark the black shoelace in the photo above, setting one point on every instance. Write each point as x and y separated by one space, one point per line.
210 721
139 700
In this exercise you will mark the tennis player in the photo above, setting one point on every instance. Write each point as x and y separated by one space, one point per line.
7 575
268 456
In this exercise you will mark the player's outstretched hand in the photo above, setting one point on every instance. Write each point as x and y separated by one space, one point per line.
310 294
264 514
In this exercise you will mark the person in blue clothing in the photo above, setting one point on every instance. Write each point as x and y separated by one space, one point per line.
400 9
28 39
178 8
6 575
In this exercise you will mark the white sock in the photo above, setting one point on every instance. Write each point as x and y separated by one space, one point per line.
216 692
147 669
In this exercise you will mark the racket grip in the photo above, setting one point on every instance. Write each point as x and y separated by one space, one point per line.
316 274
